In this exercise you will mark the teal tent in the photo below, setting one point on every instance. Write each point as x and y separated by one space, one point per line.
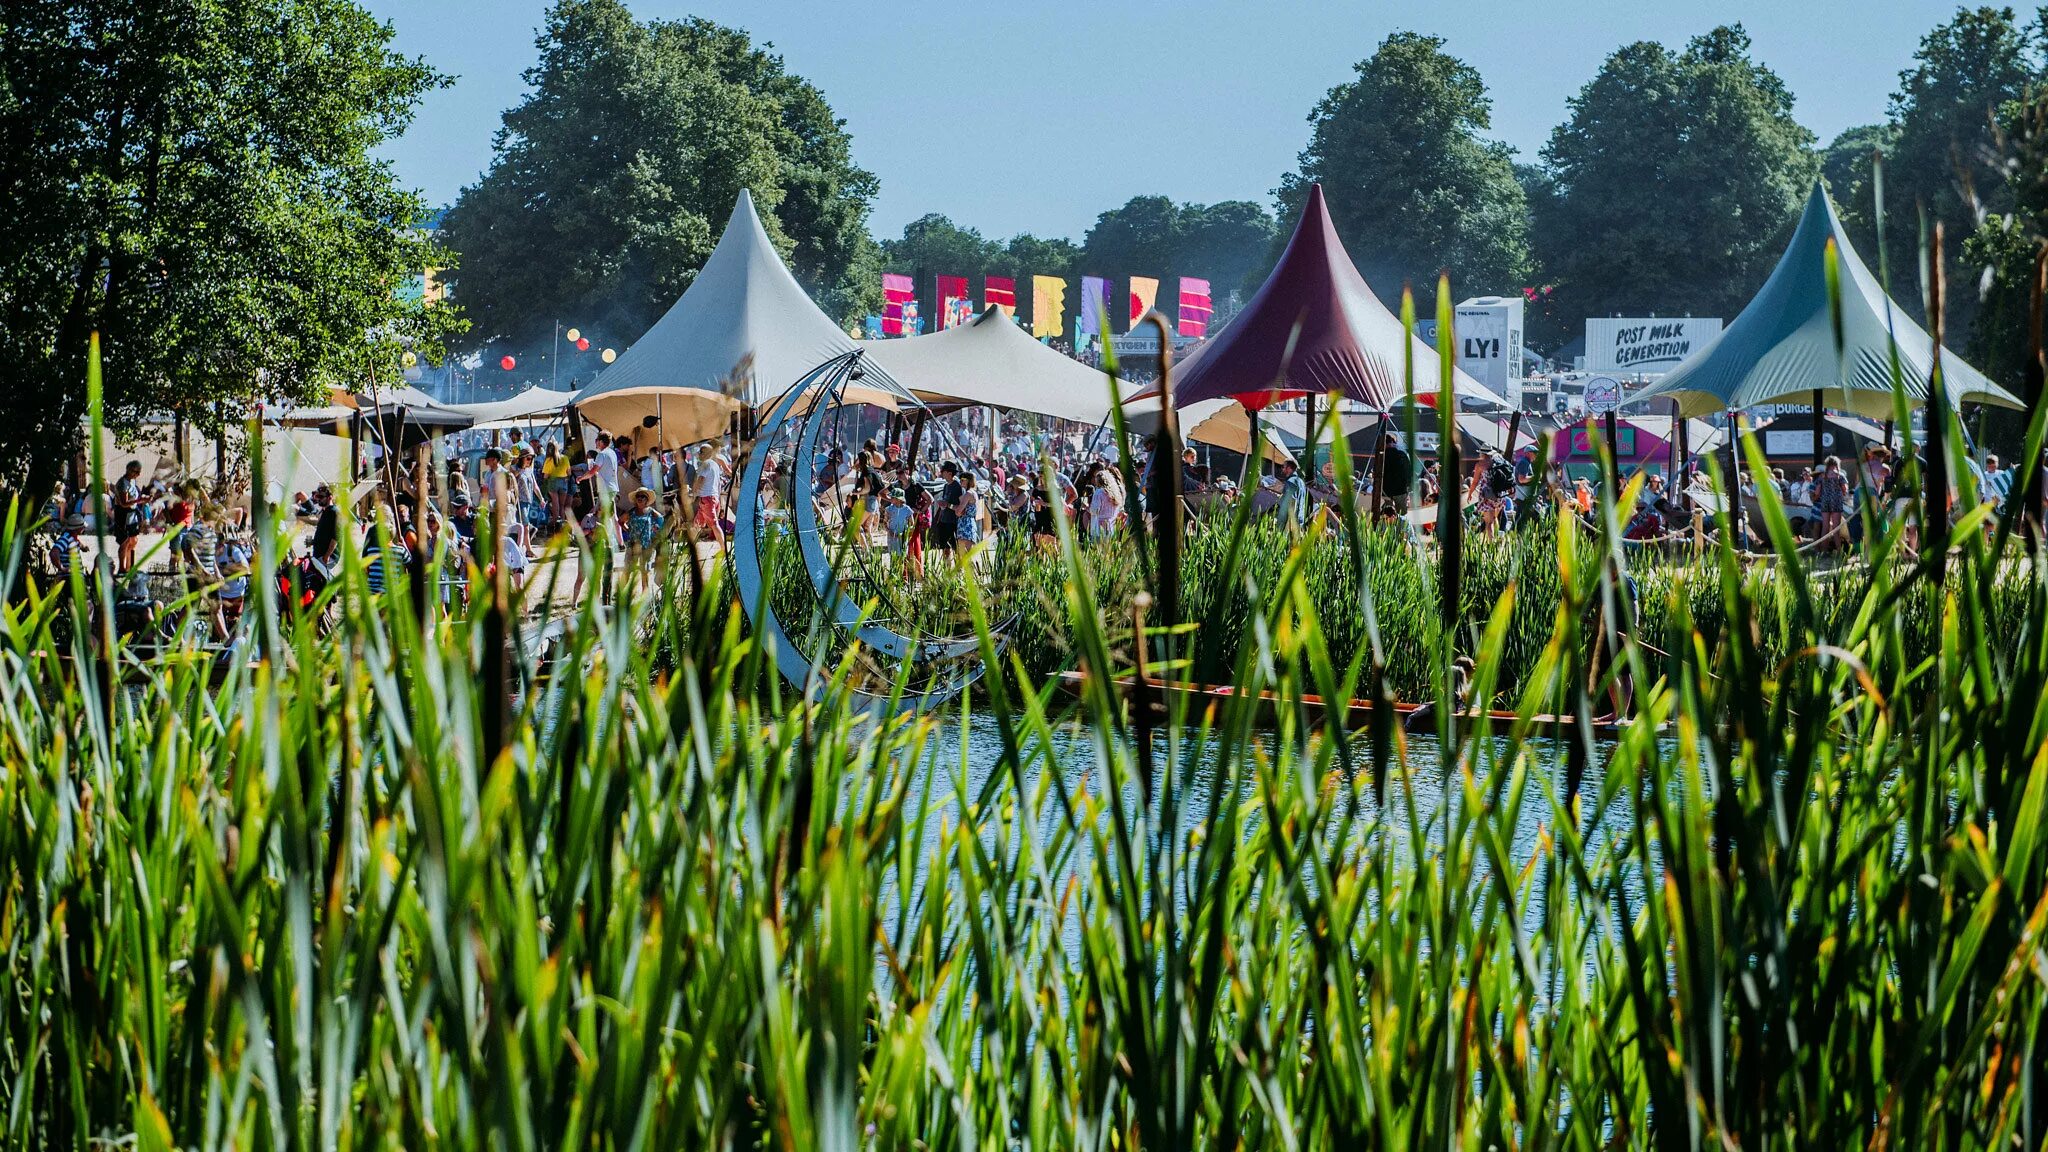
1781 349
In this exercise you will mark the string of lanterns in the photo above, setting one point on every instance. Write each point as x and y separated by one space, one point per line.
575 337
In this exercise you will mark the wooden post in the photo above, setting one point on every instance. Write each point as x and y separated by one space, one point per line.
1934 494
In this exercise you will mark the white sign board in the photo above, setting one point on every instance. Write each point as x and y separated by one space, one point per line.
1603 395
1798 442
1645 346
1489 342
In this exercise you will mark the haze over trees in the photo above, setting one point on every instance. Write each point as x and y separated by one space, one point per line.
197 184
614 177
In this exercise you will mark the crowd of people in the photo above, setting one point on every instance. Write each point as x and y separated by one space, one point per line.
498 510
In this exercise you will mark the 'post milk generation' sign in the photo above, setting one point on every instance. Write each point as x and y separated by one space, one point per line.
1645 347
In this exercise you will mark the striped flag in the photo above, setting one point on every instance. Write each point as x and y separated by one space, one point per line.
1144 290
1094 306
1194 307
1048 306
899 303
956 307
1000 291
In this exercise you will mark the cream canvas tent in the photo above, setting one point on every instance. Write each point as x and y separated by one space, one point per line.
743 332
531 404
1781 349
990 361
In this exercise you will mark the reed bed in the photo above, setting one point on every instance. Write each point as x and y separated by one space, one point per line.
395 884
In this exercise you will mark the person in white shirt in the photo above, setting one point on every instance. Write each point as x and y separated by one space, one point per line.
710 490
607 468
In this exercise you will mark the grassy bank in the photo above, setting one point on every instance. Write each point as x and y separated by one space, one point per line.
383 887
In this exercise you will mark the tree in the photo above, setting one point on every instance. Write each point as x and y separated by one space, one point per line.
2008 244
1676 182
198 184
613 179
1412 188
1226 244
1945 155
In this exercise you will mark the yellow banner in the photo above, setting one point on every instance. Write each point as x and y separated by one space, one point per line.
1144 290
1048 306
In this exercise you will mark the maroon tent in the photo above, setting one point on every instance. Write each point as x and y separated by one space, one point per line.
1347 341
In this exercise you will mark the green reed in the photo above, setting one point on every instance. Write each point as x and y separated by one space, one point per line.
393 879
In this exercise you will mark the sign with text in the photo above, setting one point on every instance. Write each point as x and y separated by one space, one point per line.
1489 342
1796 442
1650 346
1586 441
1603 395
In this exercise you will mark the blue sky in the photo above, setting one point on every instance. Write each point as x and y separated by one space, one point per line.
1034 117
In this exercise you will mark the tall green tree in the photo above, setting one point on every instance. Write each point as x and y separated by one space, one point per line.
614 177
2008 244
197 183
1676 182
1947 160
1411 184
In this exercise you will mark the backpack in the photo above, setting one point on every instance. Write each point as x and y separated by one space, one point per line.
1500 478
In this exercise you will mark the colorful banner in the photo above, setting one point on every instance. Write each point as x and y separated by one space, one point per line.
1000 291
1048 306
1194 308
956 307
872 327
1094 306
1144 290
899 303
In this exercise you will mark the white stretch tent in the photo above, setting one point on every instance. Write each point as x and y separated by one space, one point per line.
992 361
533 402
743 332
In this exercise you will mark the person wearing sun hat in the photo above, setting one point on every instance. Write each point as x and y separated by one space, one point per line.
643 532
709 490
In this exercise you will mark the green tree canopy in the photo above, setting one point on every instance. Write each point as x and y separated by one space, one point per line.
1946 155
614 178
1411 185
1676 181
196 182
1227 244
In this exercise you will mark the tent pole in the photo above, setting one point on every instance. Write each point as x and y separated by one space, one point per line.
1254 451
1819 450
1681 451
1308 440
355 445
1613 458
916 438
220 450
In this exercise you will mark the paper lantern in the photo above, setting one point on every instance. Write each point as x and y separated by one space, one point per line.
574 336
508 363
610 355
408 359
583 345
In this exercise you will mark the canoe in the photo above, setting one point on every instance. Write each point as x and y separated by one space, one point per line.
1354 714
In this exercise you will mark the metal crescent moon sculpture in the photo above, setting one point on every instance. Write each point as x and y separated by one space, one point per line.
826 386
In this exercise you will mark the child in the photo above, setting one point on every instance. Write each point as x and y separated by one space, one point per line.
234 586
643 527
900 521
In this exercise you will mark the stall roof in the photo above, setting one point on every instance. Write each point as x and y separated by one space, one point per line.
534 401
743 331
1782 348
1315 327
994 362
